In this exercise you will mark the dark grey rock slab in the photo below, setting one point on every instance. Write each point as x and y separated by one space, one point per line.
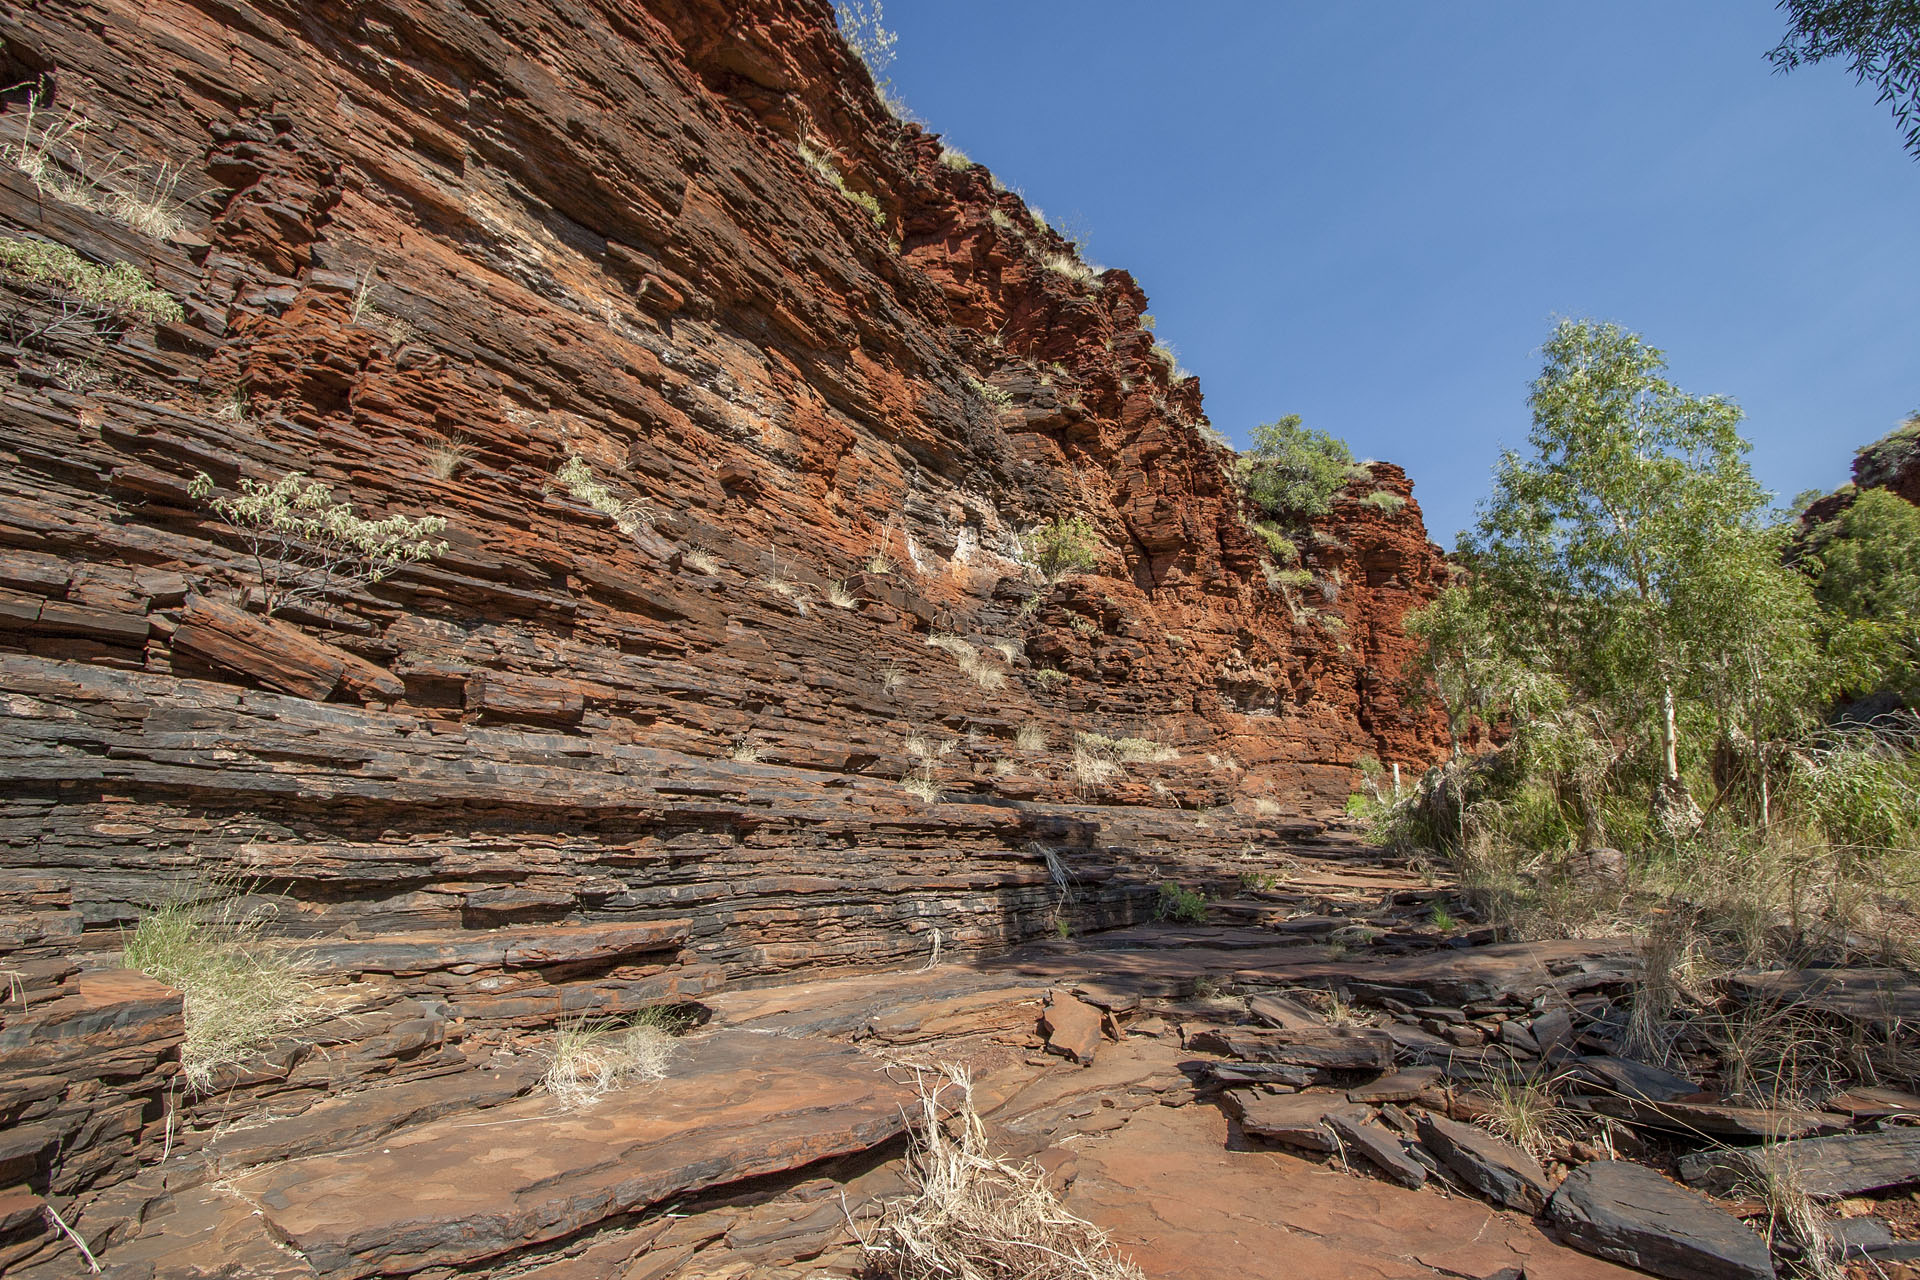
1323 1048
1629 1214
1632 1079
1380 1149
1827 1168
1500 1171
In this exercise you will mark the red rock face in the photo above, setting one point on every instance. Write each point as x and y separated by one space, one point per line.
430 251
430 254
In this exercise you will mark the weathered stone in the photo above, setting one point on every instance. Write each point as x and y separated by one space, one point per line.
1401 1086
1295 1119
1633 1215
730 1109
1753 1124
1072 1027
1320 1048
1497 1170
1276 1011
1380 1149
1826 1168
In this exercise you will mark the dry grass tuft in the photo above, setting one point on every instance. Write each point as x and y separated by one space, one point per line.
241 993
1792 1212
445 460
1525 1114
746 751
838 596
1030 737
970 1215
700 560
593 1057
921 781
1093 763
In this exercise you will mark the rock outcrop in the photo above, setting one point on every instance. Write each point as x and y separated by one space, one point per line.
734 393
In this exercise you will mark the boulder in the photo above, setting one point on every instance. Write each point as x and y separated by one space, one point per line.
1630 1214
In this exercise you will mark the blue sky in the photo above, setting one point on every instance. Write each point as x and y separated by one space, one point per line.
1370 214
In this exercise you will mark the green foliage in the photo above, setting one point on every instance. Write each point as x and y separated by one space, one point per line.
1442 919
1878 463
1065 544
306 544
1862 790
1628 557
1177 902
119 290
1880 40
1282 548
1866 567
1294 471
1385 500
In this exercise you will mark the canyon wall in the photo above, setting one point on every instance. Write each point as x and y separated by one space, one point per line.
628 738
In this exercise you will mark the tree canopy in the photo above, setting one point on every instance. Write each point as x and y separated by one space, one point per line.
1880 40
1628 556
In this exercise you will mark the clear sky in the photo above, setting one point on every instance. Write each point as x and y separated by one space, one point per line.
1371 213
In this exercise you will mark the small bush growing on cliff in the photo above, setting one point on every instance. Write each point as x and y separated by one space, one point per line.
1065 544
307 544
240 992
1385 500
91 296
1177 902
820 164
1294 471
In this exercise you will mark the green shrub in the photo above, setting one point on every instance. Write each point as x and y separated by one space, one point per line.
1881 461
308 545
1177 902
118 290
240 993
1065 544
1294 471
1282 548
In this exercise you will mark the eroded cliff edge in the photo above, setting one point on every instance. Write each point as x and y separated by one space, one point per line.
580 763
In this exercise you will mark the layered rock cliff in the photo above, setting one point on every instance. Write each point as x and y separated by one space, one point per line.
630 737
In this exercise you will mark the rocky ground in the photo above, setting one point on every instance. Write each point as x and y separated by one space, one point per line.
1300 1087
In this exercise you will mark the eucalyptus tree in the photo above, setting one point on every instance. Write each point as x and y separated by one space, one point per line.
1607 553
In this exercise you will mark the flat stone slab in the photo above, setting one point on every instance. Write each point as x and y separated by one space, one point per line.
1714 1120
520 946
1632 1079
735 1105
1296 1119
1828 1168
1381 1149
1072 1027
1402 1086
1500 1171
1629 1213
1322 1048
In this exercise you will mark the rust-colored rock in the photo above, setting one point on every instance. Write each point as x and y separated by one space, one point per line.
619 746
